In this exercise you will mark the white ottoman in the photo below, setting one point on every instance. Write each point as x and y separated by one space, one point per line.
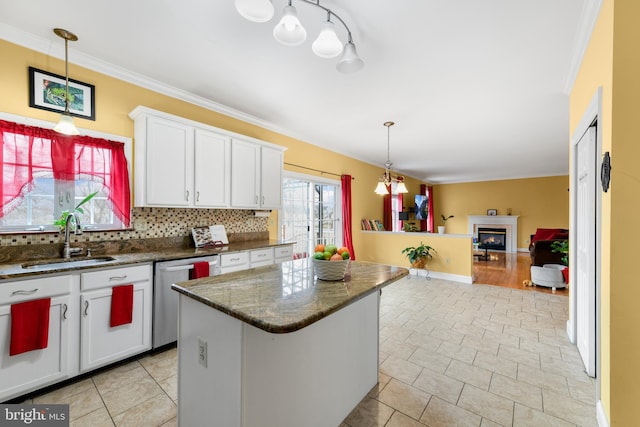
549 275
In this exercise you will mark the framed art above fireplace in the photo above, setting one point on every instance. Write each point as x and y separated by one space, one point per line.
492 212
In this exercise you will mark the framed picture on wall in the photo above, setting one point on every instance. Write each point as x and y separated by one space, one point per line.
47 91
492 212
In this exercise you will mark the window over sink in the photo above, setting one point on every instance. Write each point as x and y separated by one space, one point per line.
45 173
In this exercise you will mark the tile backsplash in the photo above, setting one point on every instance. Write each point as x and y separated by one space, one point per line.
155 223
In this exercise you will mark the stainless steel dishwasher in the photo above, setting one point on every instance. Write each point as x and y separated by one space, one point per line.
165 300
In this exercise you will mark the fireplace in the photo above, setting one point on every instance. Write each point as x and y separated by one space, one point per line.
493 238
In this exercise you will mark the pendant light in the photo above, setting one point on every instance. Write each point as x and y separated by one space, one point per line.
65 125
255 10
387 178
291 32
327 45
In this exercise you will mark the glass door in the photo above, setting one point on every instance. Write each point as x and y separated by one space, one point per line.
311 213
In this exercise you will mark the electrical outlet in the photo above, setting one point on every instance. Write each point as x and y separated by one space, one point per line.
202 352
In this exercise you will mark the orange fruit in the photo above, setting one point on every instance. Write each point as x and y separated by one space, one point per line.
336 257
319 248
342 249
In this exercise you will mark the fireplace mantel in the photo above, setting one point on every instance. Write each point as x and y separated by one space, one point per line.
509 222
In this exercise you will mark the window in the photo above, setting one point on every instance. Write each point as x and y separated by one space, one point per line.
310 213
44 174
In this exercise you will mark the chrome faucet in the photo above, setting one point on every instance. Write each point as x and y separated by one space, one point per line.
77 229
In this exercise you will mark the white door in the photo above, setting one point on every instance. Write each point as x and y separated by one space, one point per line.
585 275
311 211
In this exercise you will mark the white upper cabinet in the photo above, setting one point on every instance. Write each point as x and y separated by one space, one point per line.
256 175
182 163
168 157
212 164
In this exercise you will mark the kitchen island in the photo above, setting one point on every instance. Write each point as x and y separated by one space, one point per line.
275 346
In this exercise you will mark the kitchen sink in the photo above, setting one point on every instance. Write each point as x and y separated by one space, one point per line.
66 263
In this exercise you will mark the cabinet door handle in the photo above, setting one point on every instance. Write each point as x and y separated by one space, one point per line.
23 292
197 196
256 199
117 277
186 195
86 308
64 313
263 200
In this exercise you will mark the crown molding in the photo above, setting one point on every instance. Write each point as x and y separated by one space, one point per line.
56 50
586 24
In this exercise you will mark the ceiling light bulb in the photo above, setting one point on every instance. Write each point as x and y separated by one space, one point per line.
381 188
327 45
401 188
350 62
289 30
66 126
255 10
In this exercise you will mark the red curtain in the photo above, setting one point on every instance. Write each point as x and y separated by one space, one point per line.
387 215
400 209
29 152
347 236
430 226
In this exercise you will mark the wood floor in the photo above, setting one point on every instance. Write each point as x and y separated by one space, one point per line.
508 270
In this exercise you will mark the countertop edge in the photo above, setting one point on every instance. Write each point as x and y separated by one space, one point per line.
289 327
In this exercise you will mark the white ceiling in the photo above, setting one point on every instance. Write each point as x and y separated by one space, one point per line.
478 89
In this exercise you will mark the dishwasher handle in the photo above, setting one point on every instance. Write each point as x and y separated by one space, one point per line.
185 267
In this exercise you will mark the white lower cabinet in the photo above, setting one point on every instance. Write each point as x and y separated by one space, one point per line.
80 338
101 344
25 372
261 257
236 261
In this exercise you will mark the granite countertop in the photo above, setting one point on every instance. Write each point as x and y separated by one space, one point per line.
17 270
287 297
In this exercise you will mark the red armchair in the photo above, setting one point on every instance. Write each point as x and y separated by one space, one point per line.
540 246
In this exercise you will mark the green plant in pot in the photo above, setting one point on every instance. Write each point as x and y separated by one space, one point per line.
60 222
419 255
441 228
561 246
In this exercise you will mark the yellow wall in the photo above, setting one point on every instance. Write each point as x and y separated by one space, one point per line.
539 202
454 255
612 62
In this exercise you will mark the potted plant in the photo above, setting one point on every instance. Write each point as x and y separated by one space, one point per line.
419 255
561 246
60 222
441 228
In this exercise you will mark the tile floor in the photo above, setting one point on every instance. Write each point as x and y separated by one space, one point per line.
451 354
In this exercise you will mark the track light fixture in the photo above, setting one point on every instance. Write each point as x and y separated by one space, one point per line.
65 125
387 178
290 31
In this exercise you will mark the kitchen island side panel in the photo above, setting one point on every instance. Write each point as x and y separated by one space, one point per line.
311 377
208 395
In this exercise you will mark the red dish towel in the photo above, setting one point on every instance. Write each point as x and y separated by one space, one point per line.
29 326
200 269
121 305
565 275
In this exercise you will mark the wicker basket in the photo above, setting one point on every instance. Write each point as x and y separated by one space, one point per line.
330 270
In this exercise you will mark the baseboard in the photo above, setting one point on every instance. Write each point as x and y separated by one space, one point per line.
601 415
570 329
439 275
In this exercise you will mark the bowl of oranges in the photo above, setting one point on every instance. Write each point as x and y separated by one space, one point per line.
330 262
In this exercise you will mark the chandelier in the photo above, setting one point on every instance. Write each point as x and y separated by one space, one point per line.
290 31
65 125
387 178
